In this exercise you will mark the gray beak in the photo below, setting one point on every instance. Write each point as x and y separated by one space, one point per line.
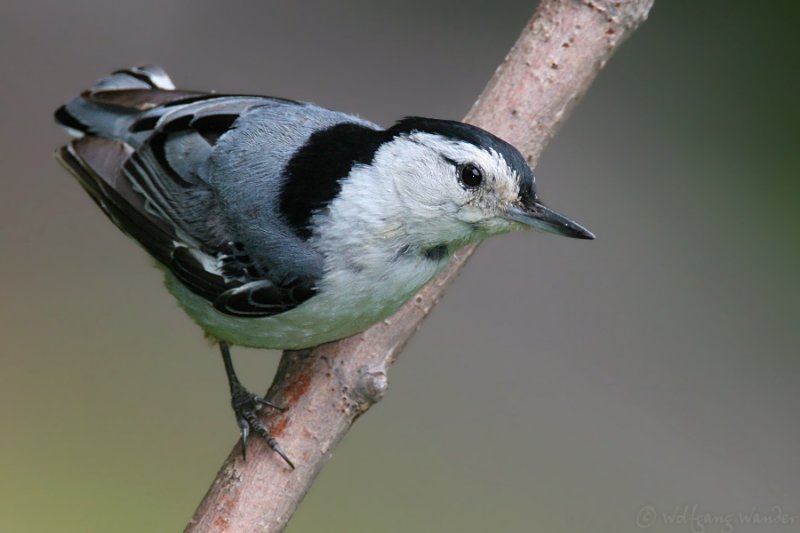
543 218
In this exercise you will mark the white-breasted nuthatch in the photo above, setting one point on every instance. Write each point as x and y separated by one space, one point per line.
281 224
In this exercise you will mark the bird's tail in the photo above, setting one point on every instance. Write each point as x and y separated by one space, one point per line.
94 112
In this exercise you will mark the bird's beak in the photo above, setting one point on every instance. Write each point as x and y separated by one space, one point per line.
543 218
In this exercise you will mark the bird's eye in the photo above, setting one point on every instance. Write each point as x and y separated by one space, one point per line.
470 175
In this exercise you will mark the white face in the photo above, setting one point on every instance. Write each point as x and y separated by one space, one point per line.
451 189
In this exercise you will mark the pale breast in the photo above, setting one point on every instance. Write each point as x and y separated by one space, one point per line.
348 301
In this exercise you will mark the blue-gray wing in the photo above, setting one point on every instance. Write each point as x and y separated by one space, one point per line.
145 155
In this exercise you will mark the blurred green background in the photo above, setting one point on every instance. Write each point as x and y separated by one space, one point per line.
560 386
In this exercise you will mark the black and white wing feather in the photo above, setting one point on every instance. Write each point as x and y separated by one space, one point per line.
141 154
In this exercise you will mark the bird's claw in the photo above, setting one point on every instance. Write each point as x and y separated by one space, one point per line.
262 402
245 406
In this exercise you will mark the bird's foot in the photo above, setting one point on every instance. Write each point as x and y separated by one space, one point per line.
246 406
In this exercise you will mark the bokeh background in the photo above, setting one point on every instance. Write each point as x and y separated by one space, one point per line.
628 383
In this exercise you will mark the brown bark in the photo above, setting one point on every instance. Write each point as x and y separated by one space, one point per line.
555 59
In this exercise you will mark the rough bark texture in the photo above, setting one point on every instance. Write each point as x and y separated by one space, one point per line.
560 51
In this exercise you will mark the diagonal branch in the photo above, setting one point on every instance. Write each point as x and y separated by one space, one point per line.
560 51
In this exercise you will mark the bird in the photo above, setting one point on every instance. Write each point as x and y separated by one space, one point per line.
281 224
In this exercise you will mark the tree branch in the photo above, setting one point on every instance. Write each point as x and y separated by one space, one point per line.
560 51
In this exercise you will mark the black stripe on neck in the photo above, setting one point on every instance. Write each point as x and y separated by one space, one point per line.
314 174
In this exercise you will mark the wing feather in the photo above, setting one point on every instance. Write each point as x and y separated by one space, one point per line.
156 195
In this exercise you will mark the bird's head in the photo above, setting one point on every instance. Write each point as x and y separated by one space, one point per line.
460 183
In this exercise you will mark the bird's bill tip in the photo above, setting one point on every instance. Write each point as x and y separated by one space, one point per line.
542 217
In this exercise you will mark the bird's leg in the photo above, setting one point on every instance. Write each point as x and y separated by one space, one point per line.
246 406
